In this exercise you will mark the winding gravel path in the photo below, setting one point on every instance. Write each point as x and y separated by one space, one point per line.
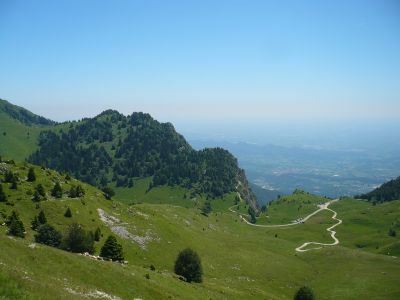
299 221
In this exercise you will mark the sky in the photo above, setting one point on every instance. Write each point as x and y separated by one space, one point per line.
198 63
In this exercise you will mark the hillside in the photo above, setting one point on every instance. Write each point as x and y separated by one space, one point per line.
19 130
388 191
116 150
239 261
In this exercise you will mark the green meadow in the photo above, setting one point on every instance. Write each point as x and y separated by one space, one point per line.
239 261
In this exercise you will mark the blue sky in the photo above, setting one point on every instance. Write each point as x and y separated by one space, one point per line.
203 61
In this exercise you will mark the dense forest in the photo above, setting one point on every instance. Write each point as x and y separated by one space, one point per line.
113 148
388 191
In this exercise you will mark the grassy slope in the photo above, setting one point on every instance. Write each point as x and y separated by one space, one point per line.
371 224
20 140
239 261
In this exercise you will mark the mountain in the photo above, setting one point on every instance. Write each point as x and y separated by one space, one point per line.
388 191
117 150
263 195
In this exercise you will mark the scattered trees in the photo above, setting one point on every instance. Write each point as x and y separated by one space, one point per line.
42 217
112 249
39 193
76 191
188 265
304 293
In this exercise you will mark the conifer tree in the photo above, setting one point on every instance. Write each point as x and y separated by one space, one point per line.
42 217
112 250
57 190
304 293
97 234
68 213
31 175
15 225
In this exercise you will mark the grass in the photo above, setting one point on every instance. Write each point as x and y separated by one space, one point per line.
239 261
17 140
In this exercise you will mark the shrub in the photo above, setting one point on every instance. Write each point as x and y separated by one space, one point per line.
392 232
108 192
304 293
48 235
112 250
188 265
77 240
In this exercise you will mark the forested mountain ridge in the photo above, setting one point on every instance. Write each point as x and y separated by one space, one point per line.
388 191
113 149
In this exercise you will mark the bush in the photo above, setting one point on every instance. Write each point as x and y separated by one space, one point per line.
112 250
15 225
206 209
188 265
392 232
35 223
108 192
77 240
48 235
304 293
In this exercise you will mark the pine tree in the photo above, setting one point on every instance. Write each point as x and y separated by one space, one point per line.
57 190
40 189
188 265
15 226
14 184
97 234
304 293
3 196
36 197
112 250
31 174
42 217
68 213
